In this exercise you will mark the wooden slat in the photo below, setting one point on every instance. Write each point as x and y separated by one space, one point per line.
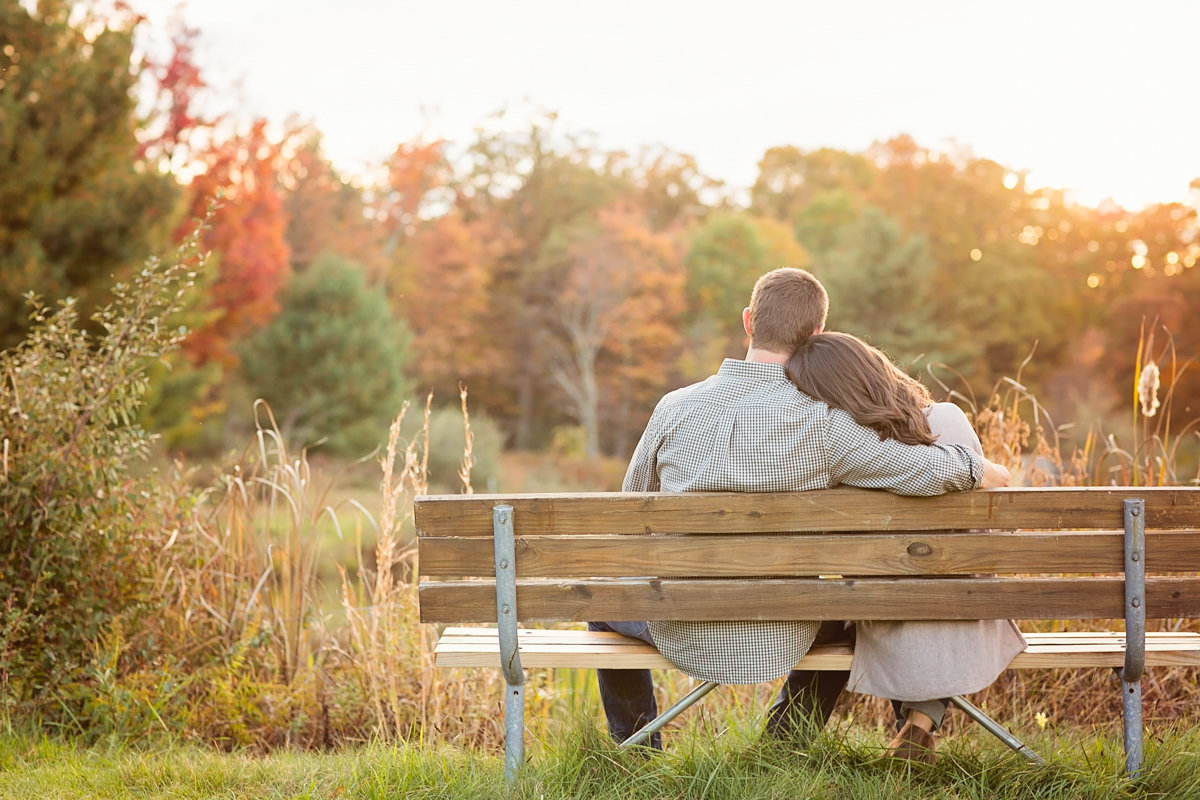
826 510
479 647
764 599
1013 552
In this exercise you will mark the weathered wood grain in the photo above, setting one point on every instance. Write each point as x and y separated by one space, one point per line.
918 553
766 599
840 509
479 647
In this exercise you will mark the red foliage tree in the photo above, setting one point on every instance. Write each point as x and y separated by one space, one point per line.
246 236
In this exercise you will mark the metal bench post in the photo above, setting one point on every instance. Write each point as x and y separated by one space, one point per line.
1135 632
510 656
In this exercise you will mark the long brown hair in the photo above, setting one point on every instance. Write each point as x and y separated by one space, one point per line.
845 372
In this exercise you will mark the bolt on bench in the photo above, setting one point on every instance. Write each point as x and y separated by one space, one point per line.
1050 553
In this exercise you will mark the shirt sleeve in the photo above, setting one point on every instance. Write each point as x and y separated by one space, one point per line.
857 457
642 474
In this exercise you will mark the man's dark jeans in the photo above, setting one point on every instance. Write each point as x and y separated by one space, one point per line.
807 697
627 694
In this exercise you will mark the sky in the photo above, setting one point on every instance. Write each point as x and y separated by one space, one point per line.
1095 97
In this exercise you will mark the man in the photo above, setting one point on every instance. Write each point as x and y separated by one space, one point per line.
748 429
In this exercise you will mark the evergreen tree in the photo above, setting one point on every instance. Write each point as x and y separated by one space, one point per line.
76 206
330 364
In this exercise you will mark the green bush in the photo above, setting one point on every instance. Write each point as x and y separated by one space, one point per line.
447 447
79 523
330 364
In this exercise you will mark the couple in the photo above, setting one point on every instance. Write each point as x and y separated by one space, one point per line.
811 410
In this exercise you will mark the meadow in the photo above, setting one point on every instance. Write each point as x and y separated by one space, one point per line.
248 627
714 760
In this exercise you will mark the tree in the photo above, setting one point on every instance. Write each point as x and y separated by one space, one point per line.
76 205
669 186
415 171
326 213
246 236
527 185
816 224
726 256
880 287
613 281
789 178
445 292
331 363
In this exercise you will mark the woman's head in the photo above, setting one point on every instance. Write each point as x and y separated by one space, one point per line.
845 372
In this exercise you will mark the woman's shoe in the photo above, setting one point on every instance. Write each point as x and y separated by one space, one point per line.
913 743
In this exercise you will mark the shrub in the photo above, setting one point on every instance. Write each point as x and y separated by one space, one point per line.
80 530
447 447
332 359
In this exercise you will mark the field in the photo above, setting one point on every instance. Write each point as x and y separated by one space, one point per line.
714 762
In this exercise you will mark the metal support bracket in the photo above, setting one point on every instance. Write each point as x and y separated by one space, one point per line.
660 722
1135 632
510 655
995 728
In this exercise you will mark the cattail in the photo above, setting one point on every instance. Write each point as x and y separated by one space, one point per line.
1148 389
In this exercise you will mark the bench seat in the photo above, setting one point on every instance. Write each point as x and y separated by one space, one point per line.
577 649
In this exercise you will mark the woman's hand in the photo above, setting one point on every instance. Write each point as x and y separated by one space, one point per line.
995 476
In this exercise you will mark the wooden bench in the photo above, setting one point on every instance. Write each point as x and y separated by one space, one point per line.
1055 553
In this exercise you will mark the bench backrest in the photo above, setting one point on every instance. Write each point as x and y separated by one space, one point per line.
1050 553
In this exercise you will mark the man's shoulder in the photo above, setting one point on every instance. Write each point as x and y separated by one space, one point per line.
683 394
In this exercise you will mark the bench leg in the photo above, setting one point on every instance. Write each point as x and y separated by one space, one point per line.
1131 715
659 722
514 729
995 728
510 653
1135 633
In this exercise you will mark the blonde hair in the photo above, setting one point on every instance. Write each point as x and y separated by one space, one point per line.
845 372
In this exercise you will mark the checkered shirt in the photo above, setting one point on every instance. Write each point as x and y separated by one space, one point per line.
748 429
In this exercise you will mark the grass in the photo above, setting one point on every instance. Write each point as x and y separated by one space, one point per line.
579 763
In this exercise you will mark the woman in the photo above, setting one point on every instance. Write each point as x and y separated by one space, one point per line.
918 663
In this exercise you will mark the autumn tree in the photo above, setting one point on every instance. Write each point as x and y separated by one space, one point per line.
246 236
528 184
668 186
789 178
326 213
174 83
614 300
415 171
880 284
725 257
1000 292
445 293
76 205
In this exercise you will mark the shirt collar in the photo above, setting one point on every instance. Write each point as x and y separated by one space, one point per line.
752 370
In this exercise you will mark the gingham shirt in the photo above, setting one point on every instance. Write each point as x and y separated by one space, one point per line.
748 429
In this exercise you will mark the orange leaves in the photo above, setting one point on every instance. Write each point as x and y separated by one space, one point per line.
246 236
414 171
445 295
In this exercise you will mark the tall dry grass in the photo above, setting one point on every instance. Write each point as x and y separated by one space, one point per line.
248 650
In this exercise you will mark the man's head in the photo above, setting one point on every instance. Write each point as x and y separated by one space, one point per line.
786 307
